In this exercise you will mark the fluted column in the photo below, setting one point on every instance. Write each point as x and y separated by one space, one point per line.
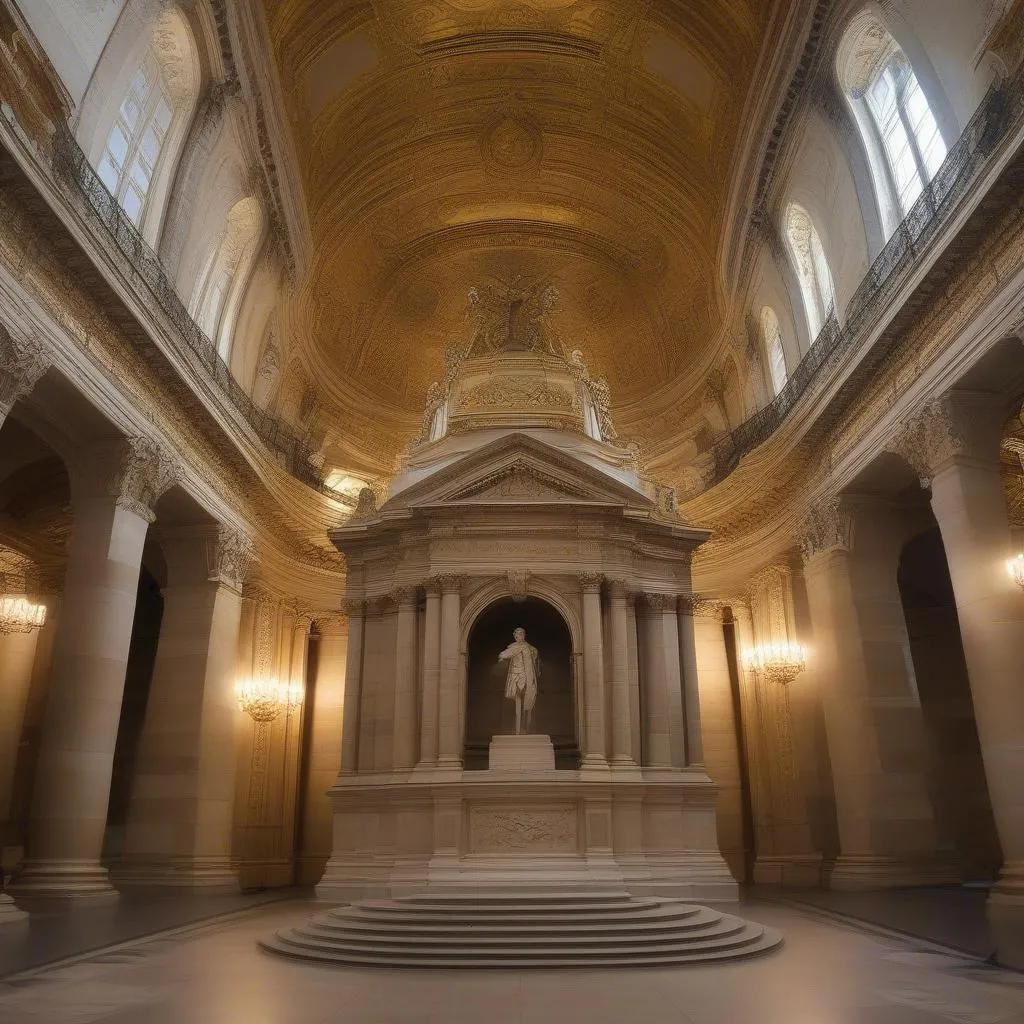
594 754
691 691
449 754
405 680
114 489
431 675
622 731
657 743
355 611
180 817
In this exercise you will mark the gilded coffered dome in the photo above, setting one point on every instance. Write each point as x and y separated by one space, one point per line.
583 143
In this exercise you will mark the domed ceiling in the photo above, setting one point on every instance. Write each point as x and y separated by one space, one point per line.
451 144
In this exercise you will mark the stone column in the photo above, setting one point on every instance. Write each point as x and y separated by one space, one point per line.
431 675
960 447
179 826
691 693
449 753
633 668
354 610
115 488
324 753
405 680
873 716
720 741
23 360
594 753
622 724
657 742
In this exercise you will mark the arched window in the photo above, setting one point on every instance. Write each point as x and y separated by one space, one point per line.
811 268
217 291
772 337
136 155
905 147
136 140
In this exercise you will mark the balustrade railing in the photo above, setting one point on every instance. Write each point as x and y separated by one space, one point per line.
141 266
1000 112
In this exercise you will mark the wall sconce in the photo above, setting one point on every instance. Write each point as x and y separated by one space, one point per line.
263 700
1015 567
779 662
19 615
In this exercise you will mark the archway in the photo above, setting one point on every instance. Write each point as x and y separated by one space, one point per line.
963 812
488 713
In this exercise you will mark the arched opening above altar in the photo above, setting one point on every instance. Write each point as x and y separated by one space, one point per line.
489 712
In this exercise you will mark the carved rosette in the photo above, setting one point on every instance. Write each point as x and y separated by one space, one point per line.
230 556
828 526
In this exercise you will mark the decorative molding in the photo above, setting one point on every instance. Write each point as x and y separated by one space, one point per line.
405 596
590 582
23 360
661 602
501 831
619 590
230 555
450 582
518 583
828 526
353 608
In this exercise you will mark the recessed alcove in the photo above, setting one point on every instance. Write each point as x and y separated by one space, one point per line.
488 713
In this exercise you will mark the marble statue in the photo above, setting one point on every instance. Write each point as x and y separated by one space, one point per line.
523 672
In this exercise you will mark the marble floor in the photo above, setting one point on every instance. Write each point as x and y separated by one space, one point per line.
830 971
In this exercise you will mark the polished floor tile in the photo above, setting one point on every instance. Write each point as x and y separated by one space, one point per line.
828 972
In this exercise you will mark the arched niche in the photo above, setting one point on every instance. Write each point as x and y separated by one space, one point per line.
488 713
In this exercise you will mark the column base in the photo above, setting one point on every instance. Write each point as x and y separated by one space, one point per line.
210 875
10 912
789 871
855 872
72 880
1005 910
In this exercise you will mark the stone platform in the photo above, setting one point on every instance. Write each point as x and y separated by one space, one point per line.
521 754
500 930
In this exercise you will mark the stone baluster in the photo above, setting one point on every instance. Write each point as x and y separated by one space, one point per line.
594 753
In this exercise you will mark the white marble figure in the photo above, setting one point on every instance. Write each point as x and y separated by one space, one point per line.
523 673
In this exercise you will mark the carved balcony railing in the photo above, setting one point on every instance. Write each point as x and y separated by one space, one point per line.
997 116
141 267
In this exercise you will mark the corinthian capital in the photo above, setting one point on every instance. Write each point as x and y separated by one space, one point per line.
828 526
229 557
23 360
141 472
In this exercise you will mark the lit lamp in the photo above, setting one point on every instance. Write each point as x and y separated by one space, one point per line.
263 700
1015 567
19 615
780 662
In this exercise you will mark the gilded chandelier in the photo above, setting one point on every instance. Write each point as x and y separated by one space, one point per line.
264 700
1015 567
780 662
19 615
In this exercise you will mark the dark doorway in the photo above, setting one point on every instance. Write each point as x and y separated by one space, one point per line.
488 713
963 813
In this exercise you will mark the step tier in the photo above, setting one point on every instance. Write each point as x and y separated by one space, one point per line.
545 930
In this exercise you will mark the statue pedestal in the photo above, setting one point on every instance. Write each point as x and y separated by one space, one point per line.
521 754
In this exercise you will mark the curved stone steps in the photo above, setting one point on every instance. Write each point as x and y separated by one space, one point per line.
495 931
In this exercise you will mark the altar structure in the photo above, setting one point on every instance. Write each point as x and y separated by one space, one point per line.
517 508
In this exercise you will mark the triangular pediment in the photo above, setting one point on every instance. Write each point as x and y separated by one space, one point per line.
522 470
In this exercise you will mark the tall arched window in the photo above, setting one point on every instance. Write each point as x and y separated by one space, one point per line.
811 268
772 337
136 155
905 147
217 291
136 140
